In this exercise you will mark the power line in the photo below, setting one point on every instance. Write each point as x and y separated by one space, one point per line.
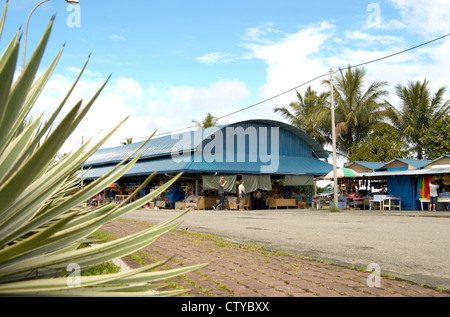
309 81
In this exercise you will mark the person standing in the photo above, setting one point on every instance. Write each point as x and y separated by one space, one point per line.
433 195
258 199
241 195
221 189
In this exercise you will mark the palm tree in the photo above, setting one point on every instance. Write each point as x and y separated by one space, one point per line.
208 122
418 111
127 141
308 114
356 110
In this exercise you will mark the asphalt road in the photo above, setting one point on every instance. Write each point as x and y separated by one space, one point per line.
414 246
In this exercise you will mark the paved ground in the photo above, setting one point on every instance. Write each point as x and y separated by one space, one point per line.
411 245
246 270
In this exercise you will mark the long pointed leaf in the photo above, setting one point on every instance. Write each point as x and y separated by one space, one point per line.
90 256
15 110
2 20
61 283
12 188
7 68
52 119
12 154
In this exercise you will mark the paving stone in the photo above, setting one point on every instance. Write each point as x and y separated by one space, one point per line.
271 292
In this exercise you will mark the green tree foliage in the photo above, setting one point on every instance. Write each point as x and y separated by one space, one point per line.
357 109
436 142
308 114
421 119
418 111
382 145
207 122
127 141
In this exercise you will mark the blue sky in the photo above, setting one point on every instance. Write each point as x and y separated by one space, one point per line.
174 61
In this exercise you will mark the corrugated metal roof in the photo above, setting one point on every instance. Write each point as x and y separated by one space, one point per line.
316 148
147 167
438 159
161 146
425 171
370 165
189 141
281 166
416 163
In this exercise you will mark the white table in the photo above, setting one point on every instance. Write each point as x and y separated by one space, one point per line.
391 205
377 199
439 200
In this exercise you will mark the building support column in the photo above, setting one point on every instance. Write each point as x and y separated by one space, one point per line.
196 184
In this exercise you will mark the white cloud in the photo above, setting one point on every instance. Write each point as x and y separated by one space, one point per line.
117 38
428 18
367 39
128 88
214 57
292 60
121 97
260 34
180 105
159 108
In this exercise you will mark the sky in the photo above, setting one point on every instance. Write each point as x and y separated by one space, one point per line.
174 61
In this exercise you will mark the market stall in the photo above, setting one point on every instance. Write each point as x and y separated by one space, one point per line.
348 188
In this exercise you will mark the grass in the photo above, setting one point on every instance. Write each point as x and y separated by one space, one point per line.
105 268
333 208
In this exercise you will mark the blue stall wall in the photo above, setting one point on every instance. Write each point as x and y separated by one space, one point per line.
175 194
404 187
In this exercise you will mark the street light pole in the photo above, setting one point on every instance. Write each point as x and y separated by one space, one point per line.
26 33
73 2
333 132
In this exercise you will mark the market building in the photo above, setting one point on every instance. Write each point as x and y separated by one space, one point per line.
404 181
275 160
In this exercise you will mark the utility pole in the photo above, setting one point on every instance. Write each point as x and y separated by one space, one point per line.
333 131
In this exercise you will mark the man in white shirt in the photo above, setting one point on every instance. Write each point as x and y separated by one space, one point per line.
433 195
241 193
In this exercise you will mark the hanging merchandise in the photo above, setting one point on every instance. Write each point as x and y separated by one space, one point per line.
423 185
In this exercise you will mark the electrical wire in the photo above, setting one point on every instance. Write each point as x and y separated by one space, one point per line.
309 81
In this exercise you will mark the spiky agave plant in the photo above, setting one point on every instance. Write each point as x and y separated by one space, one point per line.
42 221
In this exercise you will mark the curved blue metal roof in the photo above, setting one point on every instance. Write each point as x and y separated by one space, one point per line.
246 147
189 141
285 166
315 147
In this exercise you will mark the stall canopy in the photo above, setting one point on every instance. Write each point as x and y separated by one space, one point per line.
298 180
211 182
252 182
255 182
